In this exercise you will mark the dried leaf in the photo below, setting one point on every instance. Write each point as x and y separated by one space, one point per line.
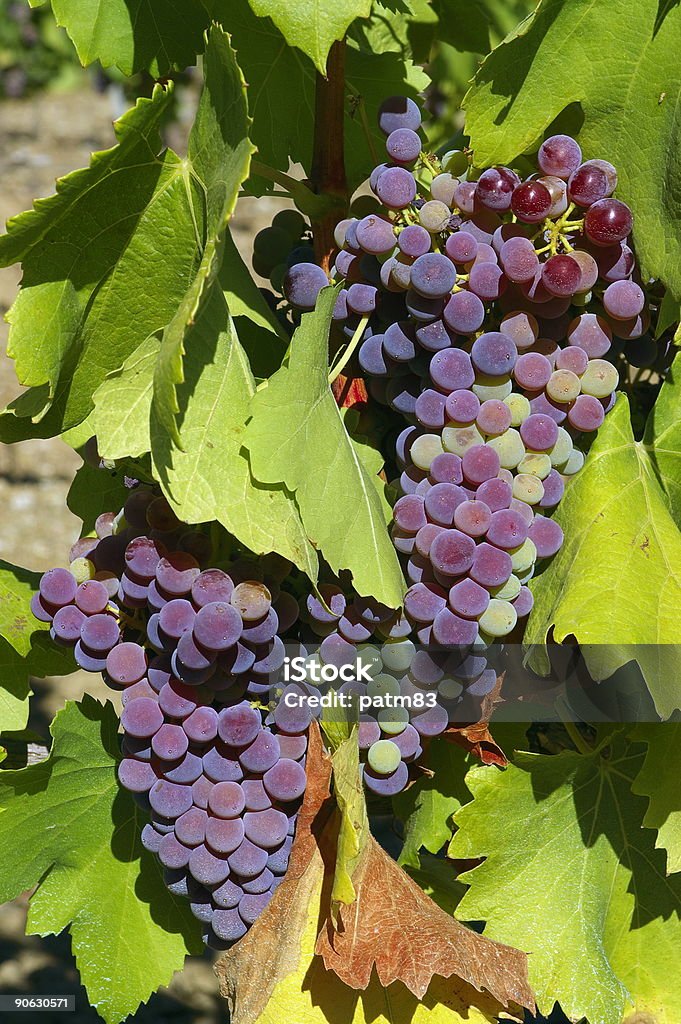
396 928
475 737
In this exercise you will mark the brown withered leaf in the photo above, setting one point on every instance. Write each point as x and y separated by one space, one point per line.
394 927
349 391
475 737
250 971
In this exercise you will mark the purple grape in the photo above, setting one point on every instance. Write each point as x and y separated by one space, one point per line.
217 626
561 275
248 860
206 867
361 298
559 155
227 896
480 463
285 780
261 754
151 839
92 597
607 222
491 566
494 354
519 259
58 588
267 829
615 263
446 467
423 309
375 235
186 771
531 202
586 414
507 529
403 146
450 630
142 718
170 743
398 112
473 518
396 188
433 275
495 493
201 726
623 300
67 624
430 409
554 489
176 699
139 689
252 906
452 370
423 601
142 556
442 501
172 853
409 513
546 535
452 553
524 602
486 280
169 799
263 631
414 241
539 432
239 726
532 371
226 800
302 285
224 835
468 599
127 663
220 764
176 617
587 184
372 358
399 342
136 776
494 417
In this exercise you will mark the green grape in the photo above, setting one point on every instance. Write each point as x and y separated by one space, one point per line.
508 590
371 659
526 576
459 439
528 488
382 686
523 557
573 463
499 618
425 448
393 721
536 464
509 447
599 379
492 387
520 407
384 757
82 569
563 386
560 452
398 655
449 689
434 216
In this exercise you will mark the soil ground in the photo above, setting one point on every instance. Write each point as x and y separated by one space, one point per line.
40 139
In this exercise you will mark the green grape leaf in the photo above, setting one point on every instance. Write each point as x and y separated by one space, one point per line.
220 155
464 24
353 832
14 689
662 439
572 878
134 35
209 478
275 72
123 404
658 779
262 335
616 582
410 30
623 70
69 829
17 623
312 25
95 276
437 877
94 491
427 807
297 437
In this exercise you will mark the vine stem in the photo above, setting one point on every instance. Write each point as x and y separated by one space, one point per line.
328 157
573 732
336 370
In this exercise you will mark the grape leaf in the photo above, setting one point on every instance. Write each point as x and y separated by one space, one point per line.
616 582
123 403
409 31
14 689
68 829
571 877
220 154
353 829
94 491
658 779
210 478
624 70
276 72
464 24
427 806
134 35
312 25
662 439
95 277
297 437
17 587
437 877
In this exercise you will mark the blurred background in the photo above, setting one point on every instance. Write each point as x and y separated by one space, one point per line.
53 114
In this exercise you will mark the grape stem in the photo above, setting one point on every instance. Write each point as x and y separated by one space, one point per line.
327 175
338 368
571 728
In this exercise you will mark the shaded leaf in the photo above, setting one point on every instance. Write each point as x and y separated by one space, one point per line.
123 403
297 437
662 439
312 25
658 779
353 830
